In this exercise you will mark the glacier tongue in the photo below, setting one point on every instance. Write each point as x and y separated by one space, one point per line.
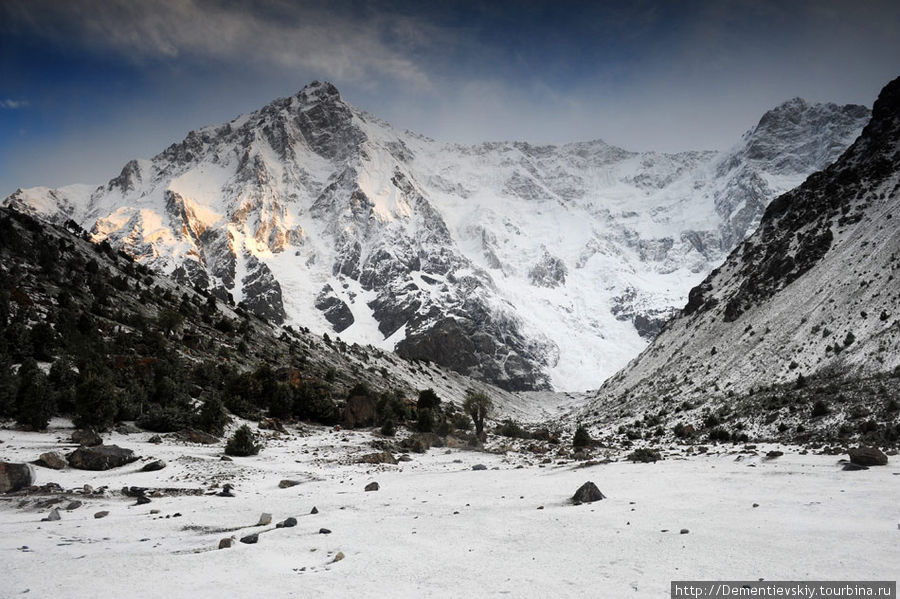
531 266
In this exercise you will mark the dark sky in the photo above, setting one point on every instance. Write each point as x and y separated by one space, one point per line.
87 85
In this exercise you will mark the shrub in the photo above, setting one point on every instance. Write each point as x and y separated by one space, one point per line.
424 420
242 443
34 400
389 428
645 455
165 419
719 434
510 428
819 409
212 417
582 438
428 400
95 402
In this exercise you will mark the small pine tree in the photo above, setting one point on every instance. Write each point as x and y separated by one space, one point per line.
479 406
34 400
95 402
428 400
212 417
425 421
582 438
242 443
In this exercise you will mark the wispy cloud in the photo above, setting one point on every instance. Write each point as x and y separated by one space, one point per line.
10 104
275 34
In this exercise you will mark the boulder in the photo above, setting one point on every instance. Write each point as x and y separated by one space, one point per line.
127 429
52 460
102 514
383 457
287 523
372 487
73 505
587 493
156 439
101 457
271 424
287 483
850 466
360 410
867 456
87 437
264 519
315 510
15 476
226 543
479 467
53 516
324 531
154 466
250 539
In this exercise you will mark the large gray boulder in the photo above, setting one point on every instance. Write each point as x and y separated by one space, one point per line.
15 476
587 493
102 457
867 456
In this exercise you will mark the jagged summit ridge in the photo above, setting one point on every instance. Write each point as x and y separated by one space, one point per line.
528 265
811 294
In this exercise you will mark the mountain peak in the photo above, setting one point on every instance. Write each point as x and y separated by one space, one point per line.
319 91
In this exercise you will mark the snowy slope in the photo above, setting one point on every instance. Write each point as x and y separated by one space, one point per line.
527 266
813 293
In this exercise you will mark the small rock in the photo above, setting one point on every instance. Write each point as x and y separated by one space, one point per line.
127 429
774 454
324 531
338 557
194 436
102 514
226 491
250 539
87 489
154 511
73 505
52 460
226 543
540 507
587 493
850 466
225 458
87 437
755 505
684 531
383 457
867 456
288 523
287 483
264 519
479 467
372 487
404 458
142 499
155 439
54 516
154 466
15 476
315 510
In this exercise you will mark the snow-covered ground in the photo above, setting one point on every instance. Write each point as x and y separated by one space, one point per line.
436 528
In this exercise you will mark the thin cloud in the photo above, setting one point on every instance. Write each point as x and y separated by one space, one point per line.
278 36
9 104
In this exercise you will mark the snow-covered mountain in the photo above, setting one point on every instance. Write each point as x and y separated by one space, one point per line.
528 266
813 293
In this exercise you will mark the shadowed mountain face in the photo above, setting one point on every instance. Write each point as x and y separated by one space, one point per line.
528 266
813 294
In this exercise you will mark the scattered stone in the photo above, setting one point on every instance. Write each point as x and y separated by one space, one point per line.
774 454
87 437
250 539
142 500
226 543
372 487
644 455
404 458
52 460
226 491
15 476
53 517
850 466
684 531
264 519
154 466
155 439
225 458
73 505
315 510
127 429
479 467
338 557
383 457
287 483
324 531
271 424
867 456
102 514
587 493
154 511
540 507
101 457
755 505
190 435
87 489
287 523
